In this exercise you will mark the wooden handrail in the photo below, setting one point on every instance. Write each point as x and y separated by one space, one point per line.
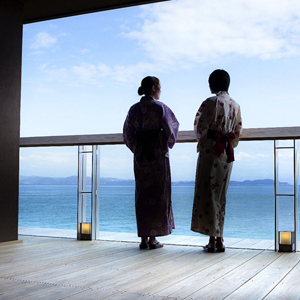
249 134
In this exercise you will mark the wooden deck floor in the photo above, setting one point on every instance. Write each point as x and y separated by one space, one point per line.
63 268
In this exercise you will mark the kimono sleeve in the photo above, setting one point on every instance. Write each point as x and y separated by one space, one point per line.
203 121
129 132
170 126
238 128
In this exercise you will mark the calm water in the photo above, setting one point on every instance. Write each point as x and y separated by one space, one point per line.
249 210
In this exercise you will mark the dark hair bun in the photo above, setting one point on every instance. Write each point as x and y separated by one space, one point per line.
147 85
141 91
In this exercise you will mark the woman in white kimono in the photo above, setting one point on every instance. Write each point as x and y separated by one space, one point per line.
218 126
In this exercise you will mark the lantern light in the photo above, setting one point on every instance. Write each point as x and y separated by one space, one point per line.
286 241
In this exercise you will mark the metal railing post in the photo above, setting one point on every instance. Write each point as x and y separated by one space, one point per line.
88 225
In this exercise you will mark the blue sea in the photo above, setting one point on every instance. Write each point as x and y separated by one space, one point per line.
249 209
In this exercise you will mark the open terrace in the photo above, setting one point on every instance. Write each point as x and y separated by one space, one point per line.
44 267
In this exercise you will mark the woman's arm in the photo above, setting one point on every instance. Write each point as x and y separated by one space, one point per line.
129 133
170 126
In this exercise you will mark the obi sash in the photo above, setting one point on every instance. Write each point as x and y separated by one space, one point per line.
223 142
145 144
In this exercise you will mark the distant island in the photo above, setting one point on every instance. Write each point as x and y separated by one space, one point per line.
72 180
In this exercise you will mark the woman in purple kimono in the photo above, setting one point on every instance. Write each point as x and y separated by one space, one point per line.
149 130
218 126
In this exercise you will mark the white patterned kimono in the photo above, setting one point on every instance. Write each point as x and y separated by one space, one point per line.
221 116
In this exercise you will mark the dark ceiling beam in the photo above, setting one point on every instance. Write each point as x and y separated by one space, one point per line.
42 10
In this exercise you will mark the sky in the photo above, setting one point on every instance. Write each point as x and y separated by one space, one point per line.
80 75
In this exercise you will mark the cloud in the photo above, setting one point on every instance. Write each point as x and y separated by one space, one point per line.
60 74
134 72
94 74
186 31
90 73
84 51
286 155
263 155
43 162
44 90
48 159
183 158
181 33
243 156
43 40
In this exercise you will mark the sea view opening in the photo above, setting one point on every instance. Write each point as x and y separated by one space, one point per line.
81 75
250 212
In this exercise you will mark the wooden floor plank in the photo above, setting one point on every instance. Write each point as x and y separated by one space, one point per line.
172 279
288 288
154 275
262 244
89 294
78 264
11 243
53 232
27 243
173 239
260 285
246 243
126 296
133 274
103 267
53 293
101 294
199 240
220 265
57 268
58 257
236 277
10 284
231 242
158 273
28 290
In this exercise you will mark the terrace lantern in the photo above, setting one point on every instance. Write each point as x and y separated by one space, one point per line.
286 241
88 193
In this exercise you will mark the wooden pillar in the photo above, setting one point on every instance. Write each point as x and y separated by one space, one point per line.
11 29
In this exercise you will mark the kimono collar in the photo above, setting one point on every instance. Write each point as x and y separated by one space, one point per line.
222 92
147 98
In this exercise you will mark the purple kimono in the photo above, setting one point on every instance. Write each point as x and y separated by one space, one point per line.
149 130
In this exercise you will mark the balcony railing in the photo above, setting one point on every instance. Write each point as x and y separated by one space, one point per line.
252 134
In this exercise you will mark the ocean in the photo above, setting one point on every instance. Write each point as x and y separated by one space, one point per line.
249 209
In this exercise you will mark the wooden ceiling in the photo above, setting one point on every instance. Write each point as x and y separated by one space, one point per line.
41 10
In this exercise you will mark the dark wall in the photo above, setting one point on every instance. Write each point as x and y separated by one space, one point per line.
11 25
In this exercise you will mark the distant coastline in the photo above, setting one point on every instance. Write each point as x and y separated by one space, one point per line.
72 180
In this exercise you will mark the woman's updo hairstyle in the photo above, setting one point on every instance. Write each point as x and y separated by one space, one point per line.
147 84
219 81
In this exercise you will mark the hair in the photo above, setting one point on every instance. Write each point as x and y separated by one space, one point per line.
147 84
219 80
